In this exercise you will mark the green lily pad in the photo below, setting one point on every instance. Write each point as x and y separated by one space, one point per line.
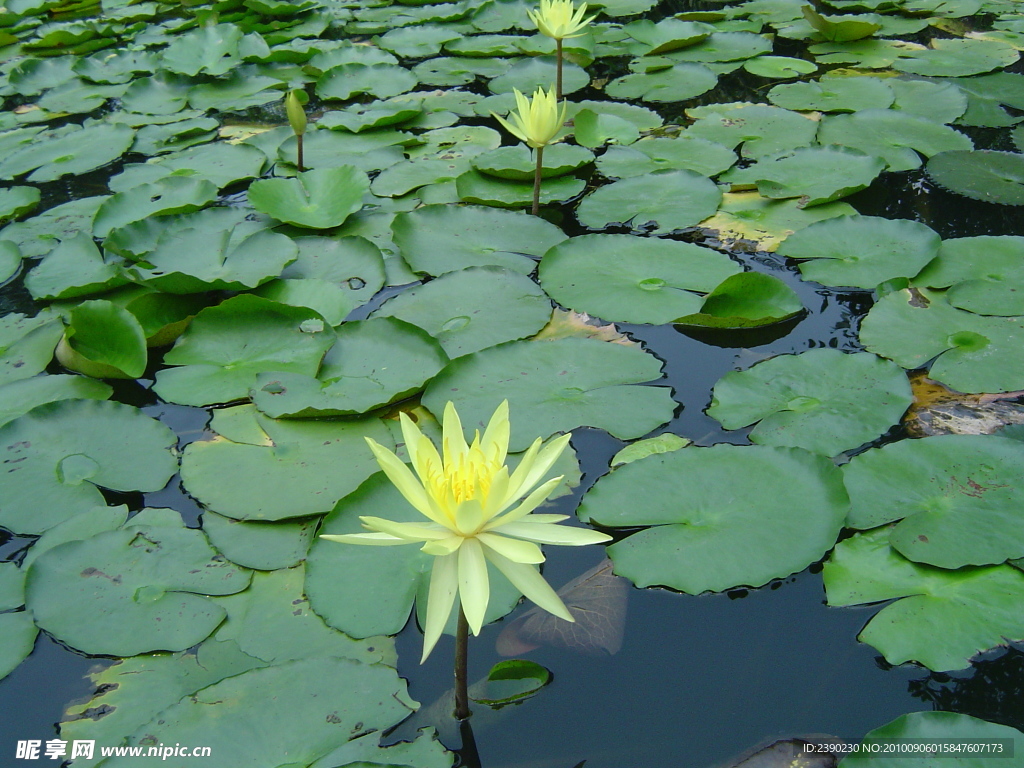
379 80
994 177
762 130
823 400
834 94
641 449
193 261
816 175
669 200
353 265
779 66
145 579
74 268
403 177
531 73
378 114
478 188
518 163
751 514
212 50
373 363
680 82
655 154
666 35
266 546
897 137
956 58
956 494
116 66
226 346
452 70
15 202
10 260
19 397
938 101
723 46
861 251
417 42
242 89
136 240
745 300
159 94
976 608
68 150
931 727
317 199
12 586
594 129
39 235
220 163
26 344
59 452
18 631
472 309
437 239
556 386
839 29
985 274
974 353
174 136
301 468
174 194
104 341
986 97
630 279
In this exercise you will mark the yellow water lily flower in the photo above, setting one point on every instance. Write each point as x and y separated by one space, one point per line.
536 121
558 19
469 498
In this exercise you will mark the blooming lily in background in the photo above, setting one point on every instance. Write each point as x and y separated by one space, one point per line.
469 498
536 121
559 20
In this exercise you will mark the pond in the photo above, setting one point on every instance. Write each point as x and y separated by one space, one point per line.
773 292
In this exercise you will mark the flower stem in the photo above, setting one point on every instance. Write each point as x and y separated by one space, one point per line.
558 75
298 163
461 657
536 181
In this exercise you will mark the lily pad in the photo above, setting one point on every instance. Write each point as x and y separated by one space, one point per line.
762 130
437 239
630 279
68 150
352 266
779 66
834 94
823 400
641 449
302 468
19 397
594 129
680 82
58 453
74 268
666 35
976 608
145 579
956 58
993 177
373 363
956 494
18 631
750 514
861 251
745 300
669 200
39 235
816 175
973 353
379 80
26 344
556 386
317 199
15 202
212 50
478 188
10 260
174 194
531 73
226 346
104 341
655 154
518 163
985 274
472 309
266 546
942 102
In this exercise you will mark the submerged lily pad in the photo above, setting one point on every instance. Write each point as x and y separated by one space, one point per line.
57 454
993 177
318 199
750 514
861 251
745 300
822 400
669 200
144 579
976 608
623 278
957 494
556 386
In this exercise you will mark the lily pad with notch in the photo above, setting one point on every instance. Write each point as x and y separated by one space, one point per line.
834 94
263 545
481 189
39 235
379 80
19 397
533 72
27 344
319 199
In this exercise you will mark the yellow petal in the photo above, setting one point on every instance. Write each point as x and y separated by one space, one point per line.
407 531
453 440
547 533
495 440
444 583
474 588
515 550
469 517
529 504
527 580
442 547
371 539
411 434
404 480
535 465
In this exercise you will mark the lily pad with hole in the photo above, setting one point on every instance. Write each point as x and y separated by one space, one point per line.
761 129
861 251
823 400
67 150
437 239
956 495
373 363
749 514
815 175
680 82
104 341
973 353
226 346
27 344
993 177
976 608
834 94
897 137
472 309
556 386
317 199
57 454
174 194
660 153
623 278
353 265
661 202
266 546
984 274
301 468
146 579
19 397
74 268
745 300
